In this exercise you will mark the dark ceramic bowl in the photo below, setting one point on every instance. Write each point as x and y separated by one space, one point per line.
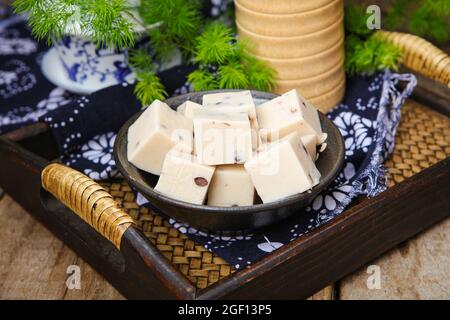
230 219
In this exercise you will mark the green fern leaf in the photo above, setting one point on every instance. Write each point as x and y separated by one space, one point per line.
214 46
149 88
233 76
260 76
202 80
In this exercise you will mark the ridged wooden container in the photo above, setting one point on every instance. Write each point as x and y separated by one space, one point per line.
283 6
299 46
315 86
288 25
302 40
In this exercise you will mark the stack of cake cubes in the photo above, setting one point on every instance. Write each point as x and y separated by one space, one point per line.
228 151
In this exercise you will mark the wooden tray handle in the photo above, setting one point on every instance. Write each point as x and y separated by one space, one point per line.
421 56
88 200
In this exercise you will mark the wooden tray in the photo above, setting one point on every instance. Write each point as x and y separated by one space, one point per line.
155 261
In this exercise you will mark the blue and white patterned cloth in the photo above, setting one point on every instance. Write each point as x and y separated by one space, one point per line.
84 128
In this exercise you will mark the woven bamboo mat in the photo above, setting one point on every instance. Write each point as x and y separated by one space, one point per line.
422 140
200 266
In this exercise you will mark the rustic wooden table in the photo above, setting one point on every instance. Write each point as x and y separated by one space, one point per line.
33 262
33 265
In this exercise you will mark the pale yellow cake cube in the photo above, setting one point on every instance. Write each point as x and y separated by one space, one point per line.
231 186
288 113
184 178
222 137
187 109
236 100
282 169
154 133
310 143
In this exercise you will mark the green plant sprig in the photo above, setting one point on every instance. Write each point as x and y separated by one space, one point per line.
428 18
355 20
148 86
366 52
224 62
103 21
371 55
178 24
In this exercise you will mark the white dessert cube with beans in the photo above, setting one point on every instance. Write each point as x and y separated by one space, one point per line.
288 113
231 186
222 136
282 169
184 178
154 133
187 109
240 99
310 143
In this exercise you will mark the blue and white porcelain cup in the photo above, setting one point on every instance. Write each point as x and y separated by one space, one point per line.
91 66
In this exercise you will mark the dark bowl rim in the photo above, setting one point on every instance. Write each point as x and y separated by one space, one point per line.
148 190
